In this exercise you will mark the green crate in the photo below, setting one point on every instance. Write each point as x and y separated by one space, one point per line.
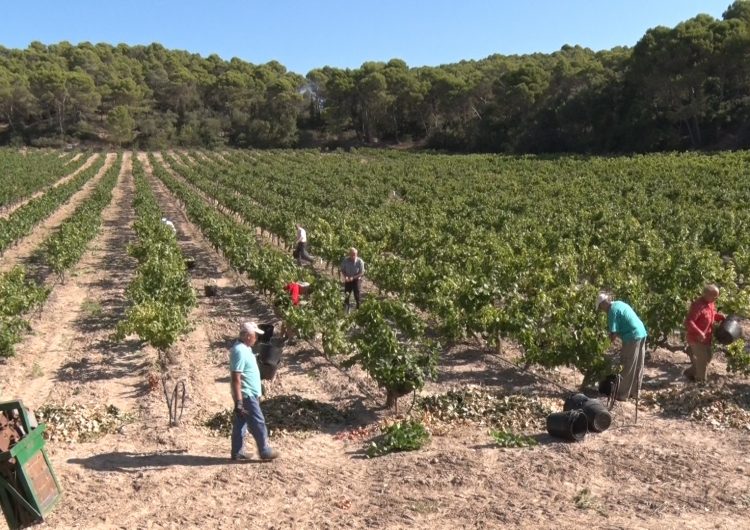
29 489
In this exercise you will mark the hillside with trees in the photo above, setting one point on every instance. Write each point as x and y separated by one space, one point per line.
686 87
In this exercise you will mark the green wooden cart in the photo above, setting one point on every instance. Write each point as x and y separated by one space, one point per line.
29 489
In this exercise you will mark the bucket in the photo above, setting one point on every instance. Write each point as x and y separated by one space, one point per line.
304 288
269 357
598 417
211 289
575 402
729 331
267 333
267 371
607 385
570 426
267 353
189 263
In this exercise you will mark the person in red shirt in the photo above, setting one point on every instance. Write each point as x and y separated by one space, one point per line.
293 289
287 330
699 328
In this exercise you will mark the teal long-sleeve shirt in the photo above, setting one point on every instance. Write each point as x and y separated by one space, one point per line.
623 321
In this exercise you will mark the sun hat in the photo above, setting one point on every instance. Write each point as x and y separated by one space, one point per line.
251 327
601 297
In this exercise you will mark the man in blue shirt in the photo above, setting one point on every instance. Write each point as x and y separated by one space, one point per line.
622 322
246 391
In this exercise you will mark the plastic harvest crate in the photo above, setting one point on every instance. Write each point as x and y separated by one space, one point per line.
29 489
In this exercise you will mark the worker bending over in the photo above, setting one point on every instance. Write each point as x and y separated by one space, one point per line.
623 322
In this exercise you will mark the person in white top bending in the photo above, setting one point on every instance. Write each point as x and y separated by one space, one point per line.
300 250
169 223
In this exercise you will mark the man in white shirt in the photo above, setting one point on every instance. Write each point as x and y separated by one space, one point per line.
169 223
300 250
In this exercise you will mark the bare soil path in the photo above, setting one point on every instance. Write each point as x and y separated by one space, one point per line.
217 318
136 465
8 210
24 250
99 370
186 155
55 356
74 159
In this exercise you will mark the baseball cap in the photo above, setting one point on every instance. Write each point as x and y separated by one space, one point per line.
251 327
601 297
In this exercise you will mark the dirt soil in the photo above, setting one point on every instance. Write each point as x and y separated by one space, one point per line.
663 473
7 210
23 251
76 157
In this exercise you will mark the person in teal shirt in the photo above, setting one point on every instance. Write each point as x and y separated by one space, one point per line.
246 391
623 322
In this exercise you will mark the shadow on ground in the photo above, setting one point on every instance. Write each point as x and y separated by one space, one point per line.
120 360
137 462
239 302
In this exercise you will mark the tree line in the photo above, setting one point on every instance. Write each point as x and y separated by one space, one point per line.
686 87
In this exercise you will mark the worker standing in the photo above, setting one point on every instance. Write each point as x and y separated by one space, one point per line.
699 328
353 268
246 391
623 322
300 249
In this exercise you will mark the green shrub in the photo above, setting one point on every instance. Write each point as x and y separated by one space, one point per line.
508 439
405 435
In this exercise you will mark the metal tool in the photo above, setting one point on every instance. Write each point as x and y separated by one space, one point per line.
180 392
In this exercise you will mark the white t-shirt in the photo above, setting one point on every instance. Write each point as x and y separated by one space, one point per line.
170 224
301 235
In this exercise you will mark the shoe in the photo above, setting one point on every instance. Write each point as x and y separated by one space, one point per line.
241 456
271 454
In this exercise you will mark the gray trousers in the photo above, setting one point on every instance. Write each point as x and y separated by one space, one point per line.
632 356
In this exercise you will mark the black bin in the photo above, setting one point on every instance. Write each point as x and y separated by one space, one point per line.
267 333
598 417
575 402
729 331
607 385
570 426
267 371
267 352
269 357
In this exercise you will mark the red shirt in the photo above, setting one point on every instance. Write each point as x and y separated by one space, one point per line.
293 289
701 318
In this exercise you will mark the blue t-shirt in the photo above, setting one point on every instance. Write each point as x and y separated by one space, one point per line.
242 359
621 319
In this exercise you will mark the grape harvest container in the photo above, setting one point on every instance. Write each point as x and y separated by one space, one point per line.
29 489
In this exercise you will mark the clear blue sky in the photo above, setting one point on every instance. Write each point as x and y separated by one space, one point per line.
345 33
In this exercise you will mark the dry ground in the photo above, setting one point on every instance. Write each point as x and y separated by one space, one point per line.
24 250
662 473
6 211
